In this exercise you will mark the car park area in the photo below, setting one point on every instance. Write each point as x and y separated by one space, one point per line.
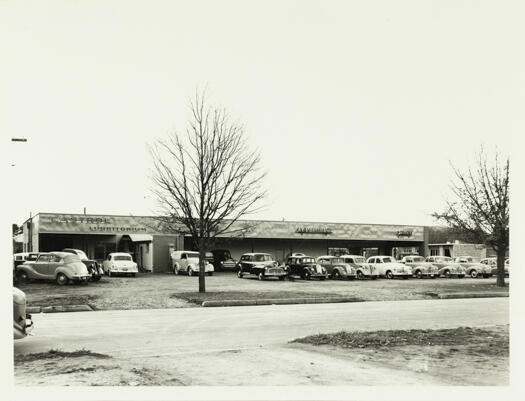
159 291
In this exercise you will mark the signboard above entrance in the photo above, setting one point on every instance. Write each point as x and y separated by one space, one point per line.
92 224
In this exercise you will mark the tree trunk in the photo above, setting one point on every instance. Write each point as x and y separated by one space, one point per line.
500 282
202 262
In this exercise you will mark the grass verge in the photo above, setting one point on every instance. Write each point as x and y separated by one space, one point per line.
198 298
56 354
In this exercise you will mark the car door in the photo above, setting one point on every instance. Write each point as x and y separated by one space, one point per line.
54 262
40 267
183 263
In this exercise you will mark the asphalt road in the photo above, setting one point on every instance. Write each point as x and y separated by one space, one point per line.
150 333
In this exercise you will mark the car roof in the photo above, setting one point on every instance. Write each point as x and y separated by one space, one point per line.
72 249
256 253
60 254
352 256
328 256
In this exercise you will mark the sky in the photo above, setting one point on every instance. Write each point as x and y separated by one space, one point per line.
358 108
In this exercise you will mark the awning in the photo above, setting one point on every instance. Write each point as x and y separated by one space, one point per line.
141 237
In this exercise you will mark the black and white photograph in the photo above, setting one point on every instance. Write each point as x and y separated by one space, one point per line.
262 200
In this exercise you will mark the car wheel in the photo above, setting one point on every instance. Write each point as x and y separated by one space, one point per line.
22 276
176 270
260 276
336 275
447 273
389 275
419 274
239 274
62 279
473 273
360 275
190 272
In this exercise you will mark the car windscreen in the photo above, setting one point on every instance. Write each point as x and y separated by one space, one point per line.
121 257
262 258
71 258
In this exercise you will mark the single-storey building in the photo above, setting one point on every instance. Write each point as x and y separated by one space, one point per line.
150 244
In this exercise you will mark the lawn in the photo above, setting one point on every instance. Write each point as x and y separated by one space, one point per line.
460 356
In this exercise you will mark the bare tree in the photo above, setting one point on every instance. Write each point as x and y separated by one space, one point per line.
481 206
206 179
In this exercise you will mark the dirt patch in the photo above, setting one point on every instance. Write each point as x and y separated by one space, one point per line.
468 356
55 354
65 300
160 291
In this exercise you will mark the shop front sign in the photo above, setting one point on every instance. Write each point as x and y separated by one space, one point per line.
313 230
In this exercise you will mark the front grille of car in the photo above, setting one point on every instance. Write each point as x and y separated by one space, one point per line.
274 271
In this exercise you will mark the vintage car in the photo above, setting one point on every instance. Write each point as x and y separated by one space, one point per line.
446 266
336 267
420 268
363 269
120 263
473 267
188 262
222 260
22 257
93 267
492 263
388 267
262 265
62 267
22 322
304 266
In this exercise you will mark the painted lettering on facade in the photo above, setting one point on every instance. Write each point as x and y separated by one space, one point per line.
313 230
404 233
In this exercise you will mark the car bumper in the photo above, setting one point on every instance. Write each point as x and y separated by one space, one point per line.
79 278
20 331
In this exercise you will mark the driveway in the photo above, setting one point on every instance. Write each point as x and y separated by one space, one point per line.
191 346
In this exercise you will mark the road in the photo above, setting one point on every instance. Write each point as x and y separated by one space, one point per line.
146 333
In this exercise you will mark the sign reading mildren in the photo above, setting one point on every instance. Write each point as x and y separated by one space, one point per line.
313 230
404 233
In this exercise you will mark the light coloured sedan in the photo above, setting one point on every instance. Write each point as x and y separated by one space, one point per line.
388 267
447 267
62 267
473 267
420 268
120 263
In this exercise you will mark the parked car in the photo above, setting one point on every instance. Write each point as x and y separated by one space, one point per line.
363 269
420 268
304 266
492 263
59 266
473 267
22 322
222 260
262 265
188 262
446 266
94 268
336 267
120 263
19 258
388 267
